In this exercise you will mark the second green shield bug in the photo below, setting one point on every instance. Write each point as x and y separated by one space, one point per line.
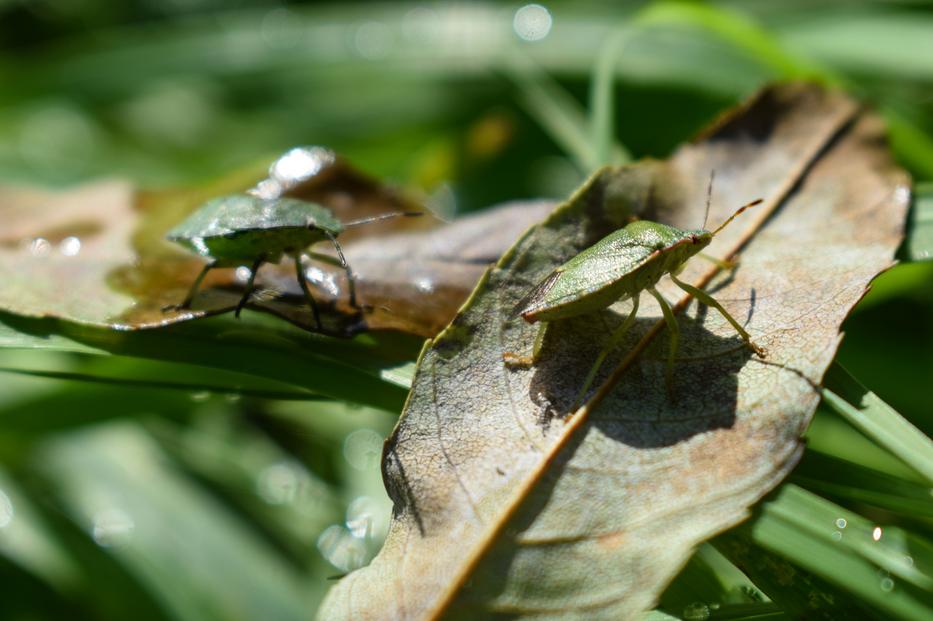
240 229
619 267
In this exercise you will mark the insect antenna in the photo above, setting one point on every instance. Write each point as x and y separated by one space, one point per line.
757 201
385 216
709 197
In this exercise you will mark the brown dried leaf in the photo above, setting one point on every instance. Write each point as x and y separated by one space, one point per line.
507 504
96 255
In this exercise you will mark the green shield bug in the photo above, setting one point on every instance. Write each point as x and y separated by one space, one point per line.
619 267
243 228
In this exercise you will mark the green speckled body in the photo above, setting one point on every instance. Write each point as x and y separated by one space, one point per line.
619 266
240 227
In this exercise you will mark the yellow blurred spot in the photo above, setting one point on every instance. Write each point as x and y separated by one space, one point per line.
489 135
435 163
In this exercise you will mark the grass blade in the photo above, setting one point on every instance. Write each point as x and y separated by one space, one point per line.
203 563
738 30
888 569
602 101
918 246
855 483
361 370
878 420
555 110
129 372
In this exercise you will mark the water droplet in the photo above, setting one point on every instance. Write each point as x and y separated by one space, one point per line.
112 527
876 534
281 29
902 194
40 247
361 516
6 510
362 449
267 188
532 22
697 611
70 246
233 397
909 561
200 396
322 280
174 112
300 164
280 483
887 585
419 24
841 523
341 549
373 40
242 274
200 246
56 136
424 284
837 536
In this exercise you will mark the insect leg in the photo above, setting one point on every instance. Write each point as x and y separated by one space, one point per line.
193 291
674 338
614 339
351 279
517 360
299 272
539 341
710 301
726 265
249 286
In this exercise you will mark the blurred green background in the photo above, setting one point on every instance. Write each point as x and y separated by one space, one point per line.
120 500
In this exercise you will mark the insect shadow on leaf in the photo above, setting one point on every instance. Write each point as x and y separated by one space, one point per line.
703 398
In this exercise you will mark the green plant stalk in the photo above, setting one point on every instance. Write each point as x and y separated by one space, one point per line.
879 421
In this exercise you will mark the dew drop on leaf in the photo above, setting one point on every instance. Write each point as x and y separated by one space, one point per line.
697 611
